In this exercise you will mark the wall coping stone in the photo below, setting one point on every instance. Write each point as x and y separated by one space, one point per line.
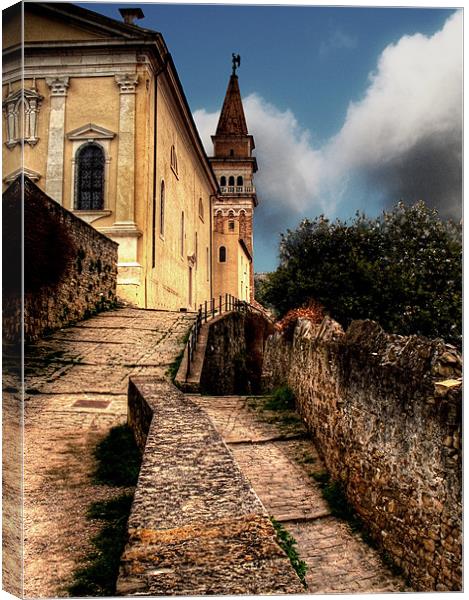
196 525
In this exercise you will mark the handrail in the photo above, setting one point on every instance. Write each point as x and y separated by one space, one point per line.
209 310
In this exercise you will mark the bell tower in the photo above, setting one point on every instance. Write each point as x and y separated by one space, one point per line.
233 209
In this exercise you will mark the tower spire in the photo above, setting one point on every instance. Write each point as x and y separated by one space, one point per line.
232 120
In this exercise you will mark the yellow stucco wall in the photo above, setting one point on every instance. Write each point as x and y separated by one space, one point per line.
42 28
11 26
179 278
168 281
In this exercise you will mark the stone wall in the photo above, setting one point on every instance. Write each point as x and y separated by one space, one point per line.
234 354
196 526
385 412
70 269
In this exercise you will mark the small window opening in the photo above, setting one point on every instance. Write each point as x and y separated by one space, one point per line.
222 254
223 181
239 181
231 180
231 225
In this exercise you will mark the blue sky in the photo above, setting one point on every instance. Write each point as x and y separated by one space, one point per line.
352 108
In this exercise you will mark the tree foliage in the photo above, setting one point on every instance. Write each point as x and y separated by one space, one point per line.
402 269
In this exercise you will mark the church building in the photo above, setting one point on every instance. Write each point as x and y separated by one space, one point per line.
95 114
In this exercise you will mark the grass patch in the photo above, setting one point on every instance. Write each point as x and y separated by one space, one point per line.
334 494
278 409
99 575
281 399
287 542
118 458
174 366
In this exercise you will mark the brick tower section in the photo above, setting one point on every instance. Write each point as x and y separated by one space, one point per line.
234 167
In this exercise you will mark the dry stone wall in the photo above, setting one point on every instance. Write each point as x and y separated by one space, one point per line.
234 354
385 411
70 268
196 526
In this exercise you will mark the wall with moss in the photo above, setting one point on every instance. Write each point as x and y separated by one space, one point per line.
234 354
70 270
385 412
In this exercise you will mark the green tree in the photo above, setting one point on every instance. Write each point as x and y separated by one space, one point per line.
402 269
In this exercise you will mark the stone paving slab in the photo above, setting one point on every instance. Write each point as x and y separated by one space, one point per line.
279 470
76 382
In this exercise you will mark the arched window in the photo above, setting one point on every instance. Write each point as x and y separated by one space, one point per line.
222 254
90 177
201 209
174 160
182 233
239 180
219 221
231 180
223 181
162 208
153 233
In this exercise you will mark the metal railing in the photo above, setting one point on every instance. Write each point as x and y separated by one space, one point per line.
207 311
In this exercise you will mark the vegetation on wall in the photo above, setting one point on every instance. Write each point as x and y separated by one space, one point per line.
287 542
402 269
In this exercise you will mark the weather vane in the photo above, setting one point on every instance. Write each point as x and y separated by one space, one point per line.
236 59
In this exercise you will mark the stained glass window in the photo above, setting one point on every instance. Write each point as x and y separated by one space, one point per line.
90 178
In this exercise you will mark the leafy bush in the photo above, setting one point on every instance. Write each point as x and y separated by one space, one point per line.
313 311
403 269
282 398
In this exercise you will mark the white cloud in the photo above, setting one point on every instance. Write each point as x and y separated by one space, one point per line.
337 40
415 92
403 136
289 167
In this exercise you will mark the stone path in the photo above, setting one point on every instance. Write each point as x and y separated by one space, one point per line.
278 459
76 390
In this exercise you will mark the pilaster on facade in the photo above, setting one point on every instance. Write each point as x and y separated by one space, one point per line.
125 196
55 151
127 83
58 85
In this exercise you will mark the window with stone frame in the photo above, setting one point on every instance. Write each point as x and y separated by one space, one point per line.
162 208
182 234
89 188
21 116
174 160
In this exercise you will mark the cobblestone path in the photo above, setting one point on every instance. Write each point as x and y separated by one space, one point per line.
278 459
76 390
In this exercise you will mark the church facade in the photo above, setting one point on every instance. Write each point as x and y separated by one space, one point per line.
97 117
